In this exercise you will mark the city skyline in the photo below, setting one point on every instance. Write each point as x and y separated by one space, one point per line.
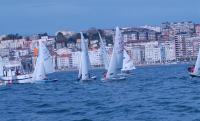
20 16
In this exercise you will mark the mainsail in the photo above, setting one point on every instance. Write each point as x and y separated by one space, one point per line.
117 56
39 72
84 62
47 58
127 62
44 63
104 54
197 64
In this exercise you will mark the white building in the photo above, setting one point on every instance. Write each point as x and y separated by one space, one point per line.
95 58
63 58
192 45
154 28
63 61
12 44
75 59
152 52
168 51
137 53
22 52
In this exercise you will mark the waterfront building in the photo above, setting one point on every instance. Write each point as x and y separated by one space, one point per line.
180 46
167 51
197 29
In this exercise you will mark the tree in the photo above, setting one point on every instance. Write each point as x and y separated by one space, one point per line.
60 37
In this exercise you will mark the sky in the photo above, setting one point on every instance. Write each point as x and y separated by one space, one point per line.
37 16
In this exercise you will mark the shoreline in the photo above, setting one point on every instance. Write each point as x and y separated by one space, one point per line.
141 65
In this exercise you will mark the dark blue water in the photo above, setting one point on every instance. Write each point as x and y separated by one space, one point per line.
156 93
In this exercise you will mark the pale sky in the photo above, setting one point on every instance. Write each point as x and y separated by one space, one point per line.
34 16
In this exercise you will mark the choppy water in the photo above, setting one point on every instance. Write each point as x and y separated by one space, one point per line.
156 93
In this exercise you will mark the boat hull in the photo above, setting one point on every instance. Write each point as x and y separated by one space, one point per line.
114 79
89 79
26 78
194 75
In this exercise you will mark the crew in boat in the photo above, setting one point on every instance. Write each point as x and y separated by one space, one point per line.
126 72
79 78
17 72
104 74
191 69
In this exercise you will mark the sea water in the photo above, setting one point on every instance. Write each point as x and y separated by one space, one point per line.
153 93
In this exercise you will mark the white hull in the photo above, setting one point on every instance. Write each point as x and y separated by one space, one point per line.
126 74
194 75
89 79
27 78
114 79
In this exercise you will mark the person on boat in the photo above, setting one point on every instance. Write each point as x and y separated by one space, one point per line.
79 78
4 72
17 72
104 74
10 82
191 69
127 72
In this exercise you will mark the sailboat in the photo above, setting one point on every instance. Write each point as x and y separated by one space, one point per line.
84 74
103 53
116 61
44 64
128 65
194 70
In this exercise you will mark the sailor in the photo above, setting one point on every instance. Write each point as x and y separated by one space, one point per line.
127 72
79 78
10 82
191 69
104 74
17 72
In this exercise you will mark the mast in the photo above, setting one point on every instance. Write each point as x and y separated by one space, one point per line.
84 60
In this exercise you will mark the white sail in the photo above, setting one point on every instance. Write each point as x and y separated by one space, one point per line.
104 54
119 47
127 62
80 69
48 61
44 63
39 71
117 56
84 66
87 55
197 64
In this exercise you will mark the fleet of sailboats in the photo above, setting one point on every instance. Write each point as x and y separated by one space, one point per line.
119 62
44 66
115 67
